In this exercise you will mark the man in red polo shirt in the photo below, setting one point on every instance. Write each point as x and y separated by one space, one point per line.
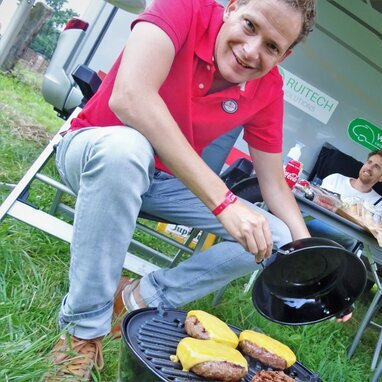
190 72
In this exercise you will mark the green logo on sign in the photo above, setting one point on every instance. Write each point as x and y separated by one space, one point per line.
365 133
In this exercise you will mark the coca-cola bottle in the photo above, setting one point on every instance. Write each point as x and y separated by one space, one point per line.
292 170
293 165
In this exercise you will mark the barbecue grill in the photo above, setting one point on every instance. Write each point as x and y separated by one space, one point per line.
151 335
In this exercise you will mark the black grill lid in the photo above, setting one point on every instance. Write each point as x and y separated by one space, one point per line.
308 281
153 336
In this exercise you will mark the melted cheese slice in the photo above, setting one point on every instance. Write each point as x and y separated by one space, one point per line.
218 330
270 344
191 352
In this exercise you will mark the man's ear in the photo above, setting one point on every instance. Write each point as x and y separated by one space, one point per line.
231 6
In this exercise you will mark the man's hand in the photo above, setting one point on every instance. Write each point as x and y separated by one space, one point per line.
249 228
345 318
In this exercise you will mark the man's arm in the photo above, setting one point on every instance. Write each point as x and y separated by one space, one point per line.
146 62
276 193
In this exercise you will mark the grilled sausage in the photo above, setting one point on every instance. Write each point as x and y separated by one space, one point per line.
272 376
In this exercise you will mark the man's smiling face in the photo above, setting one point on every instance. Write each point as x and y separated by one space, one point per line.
371 171
254 38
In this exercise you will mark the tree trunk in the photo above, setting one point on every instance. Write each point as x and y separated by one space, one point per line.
32 25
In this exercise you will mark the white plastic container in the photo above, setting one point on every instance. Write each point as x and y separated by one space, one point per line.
294 153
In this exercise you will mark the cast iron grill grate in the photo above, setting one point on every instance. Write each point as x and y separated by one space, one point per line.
153 335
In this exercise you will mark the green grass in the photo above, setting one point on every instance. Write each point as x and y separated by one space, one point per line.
34 268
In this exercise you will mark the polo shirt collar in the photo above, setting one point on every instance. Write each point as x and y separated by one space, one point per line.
204 48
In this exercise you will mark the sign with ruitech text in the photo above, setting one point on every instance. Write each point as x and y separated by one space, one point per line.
307 98
365 133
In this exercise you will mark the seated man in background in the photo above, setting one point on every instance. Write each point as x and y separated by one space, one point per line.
362 187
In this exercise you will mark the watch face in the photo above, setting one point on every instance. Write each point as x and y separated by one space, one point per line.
309 285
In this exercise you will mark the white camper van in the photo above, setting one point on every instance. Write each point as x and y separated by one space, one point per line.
332 82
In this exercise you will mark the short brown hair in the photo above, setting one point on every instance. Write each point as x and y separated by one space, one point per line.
375 152
308 12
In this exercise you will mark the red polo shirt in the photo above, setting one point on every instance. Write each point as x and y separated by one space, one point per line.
193 26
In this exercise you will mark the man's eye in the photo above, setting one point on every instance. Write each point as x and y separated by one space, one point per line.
249 25
274 49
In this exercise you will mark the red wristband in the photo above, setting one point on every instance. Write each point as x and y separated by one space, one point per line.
229 199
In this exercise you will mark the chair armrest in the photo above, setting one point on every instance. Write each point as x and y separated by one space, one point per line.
88 81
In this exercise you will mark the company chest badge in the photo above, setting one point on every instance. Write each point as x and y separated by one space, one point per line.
230 106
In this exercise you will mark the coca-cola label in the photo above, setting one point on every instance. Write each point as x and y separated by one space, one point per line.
292 170
291 176
293 164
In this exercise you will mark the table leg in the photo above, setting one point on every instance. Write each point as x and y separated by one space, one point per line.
377 373
373 306
365 322
377 351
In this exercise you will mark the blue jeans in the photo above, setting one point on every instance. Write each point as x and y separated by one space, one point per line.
317 228
112 172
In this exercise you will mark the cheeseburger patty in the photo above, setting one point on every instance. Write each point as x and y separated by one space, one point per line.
262 355
222 371
195 329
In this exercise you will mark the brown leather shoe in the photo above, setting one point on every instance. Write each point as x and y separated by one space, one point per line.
119 310
75 359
